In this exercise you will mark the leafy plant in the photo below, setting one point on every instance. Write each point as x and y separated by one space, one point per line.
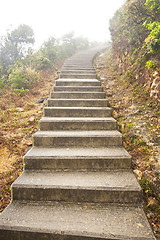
21 91
135 32
151 65
23 78
43 63
14 45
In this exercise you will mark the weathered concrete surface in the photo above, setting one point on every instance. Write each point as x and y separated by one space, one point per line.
82 76
66 221
82 71
79 82
77 139
77 89
81 95
77 183
73 186
77 102
77 111
56 124
77 158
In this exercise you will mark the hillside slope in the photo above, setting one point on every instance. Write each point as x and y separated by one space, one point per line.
138 120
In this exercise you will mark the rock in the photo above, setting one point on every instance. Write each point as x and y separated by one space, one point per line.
19 109
41 100
138 174
27 142
31 119
155 88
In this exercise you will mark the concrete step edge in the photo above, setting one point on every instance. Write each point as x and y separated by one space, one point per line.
63 221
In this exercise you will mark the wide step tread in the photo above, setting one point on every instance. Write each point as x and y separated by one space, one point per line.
51 123
77 82
72 221
77 158
78 95
77 186
77 103
77 89
77 111
77 138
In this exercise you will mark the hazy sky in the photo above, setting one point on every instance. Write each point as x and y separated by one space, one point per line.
88 18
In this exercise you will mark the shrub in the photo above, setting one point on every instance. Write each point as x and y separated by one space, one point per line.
21 91
151 65
43 63
23 77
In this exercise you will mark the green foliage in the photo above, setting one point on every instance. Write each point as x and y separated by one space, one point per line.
22 77
135 32
54 50
151 65
18 60
145 184
22 34
127 30
49 50
21 91
153 40
43 63
14 46
71 44
3 80
155 8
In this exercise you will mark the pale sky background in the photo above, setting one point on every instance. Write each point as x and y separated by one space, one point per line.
87 18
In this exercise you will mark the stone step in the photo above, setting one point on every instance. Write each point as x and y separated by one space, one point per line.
77 89
77 186
76 67
81 76
75 82
77 111
79 60
75 63
73 71
73 221
79 95
77 139
65 124
77 182
93 159
77 102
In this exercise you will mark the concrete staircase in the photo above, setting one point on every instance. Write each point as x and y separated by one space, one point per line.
77 182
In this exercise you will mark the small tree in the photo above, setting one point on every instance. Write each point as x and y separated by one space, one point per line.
14 46
69 43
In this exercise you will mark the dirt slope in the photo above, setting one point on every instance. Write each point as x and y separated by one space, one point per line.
139 121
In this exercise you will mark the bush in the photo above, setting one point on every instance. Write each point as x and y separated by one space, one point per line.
23 77
151 65
2 81
43 63
21 92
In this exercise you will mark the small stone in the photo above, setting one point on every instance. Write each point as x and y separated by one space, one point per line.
31 119
41 100
138 173
19 109
29 143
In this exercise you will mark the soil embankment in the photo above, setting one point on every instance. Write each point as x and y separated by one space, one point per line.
138 119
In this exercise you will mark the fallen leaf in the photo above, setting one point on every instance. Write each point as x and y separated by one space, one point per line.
140 225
